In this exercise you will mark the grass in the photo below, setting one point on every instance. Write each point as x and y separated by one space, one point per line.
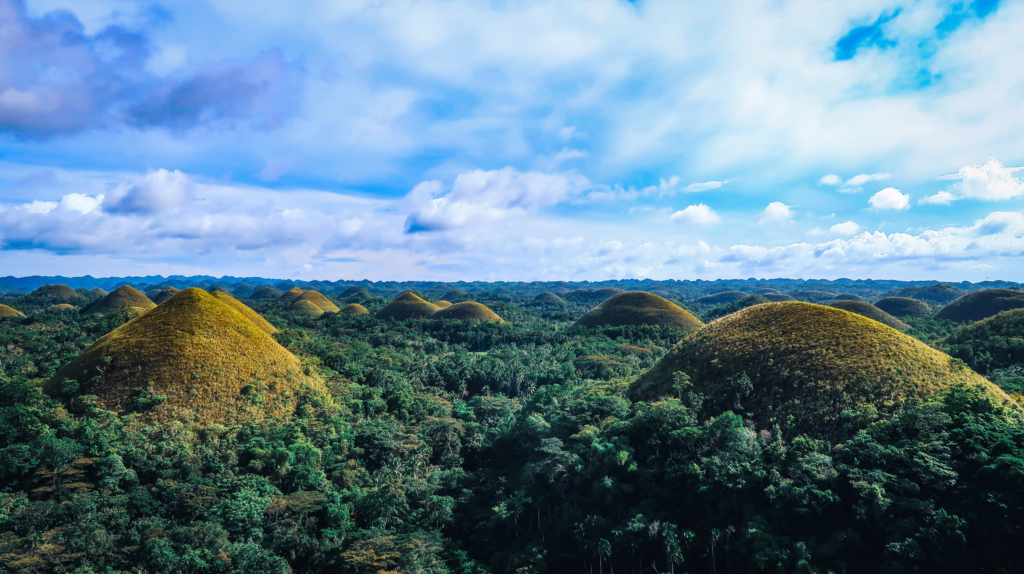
938 294
468 311
871 312
165 295
406 306
549 298
723 298
849 297
57 294
809 366
639 308
321 301
443 304
124 298
246 312
904 307
982 304
813 296
6 311
356 291
354 309
291 295
212 365
64 306
266 292
305 308
776 297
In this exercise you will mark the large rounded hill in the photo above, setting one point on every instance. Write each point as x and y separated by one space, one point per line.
408 305
639 308
165 294
904 307
868 310
468 311
124 299
6 311
320 300
801 366
56 294
982 304
211 363
723 298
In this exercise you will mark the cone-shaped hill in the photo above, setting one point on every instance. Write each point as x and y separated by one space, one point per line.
442 304
165 294
125 299
979 305
993 343
304 308
354 309
777 297
871 312
291 295
152 293
98 293
809 362
246 312
468 311
356 293
639 308
64 307
849 297
723 298
408 305
904 307
56 294
6 311
211 363
549 298
318 299
265 292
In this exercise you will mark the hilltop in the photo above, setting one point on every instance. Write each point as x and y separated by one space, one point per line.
125 299
938 294
442 304
979 305
467 311
265 292
904 307
993 343
549 298
408 305
305 309
210 362
809 362
639 308
871 312
291 295
56 294
165 294
354 309
246 312
723 298
6 311
318 299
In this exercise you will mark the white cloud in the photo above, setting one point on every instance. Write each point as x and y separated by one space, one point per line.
81 202
705 186
40 206
699 214
940 198
157 191
844 228
991 181
569 132
859 180
666 187
830 179
890 198
565 154
776 211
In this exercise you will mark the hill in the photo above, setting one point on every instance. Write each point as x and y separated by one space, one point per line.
408 305
152 293
318 299
849 297
98 293
354 309
291 295
937 294
777 297
549 298
871 312
454 295
265 292
468 311
813 296
126 299
723 298
979 305
442 304
809 362
6 311
356 293
246 312
165 294
639 308
990 344
211 363
305 309
748 301
904 307
64 307
56 294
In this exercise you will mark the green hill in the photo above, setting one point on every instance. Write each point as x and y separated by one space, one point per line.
305 308
354 309
291 295
467 311
6 311
246 312
723 298
165 294
849 297
356 293
152 293
265 292
408 305
904 307
56 294
821 297
126 299
639 308
993 343
979 305
211 364
98 293
748 301
777 297
318 299
801 366
937 294
871 312
549 298
454 295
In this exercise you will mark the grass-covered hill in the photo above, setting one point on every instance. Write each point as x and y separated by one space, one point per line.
937 294
291 295
406 306
441 304
979 305
6 311
354 309
905 307
723 298
64 306
56 294
265 292
467 311
320 300
849 297
165 294
803 367
812 296
207 363
454 295
992 344
748 301
303 308
639 308
868 310
124 299
549 298
777 297
152 293
246 312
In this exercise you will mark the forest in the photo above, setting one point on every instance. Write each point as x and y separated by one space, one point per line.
524 444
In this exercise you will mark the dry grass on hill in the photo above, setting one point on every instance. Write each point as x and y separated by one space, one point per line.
904 307
306 309
468 311
6 311
165 294
213 365
246 312
406 306
318 299
124 299
639 308
871 312
442 304
549 298
291 295
354 309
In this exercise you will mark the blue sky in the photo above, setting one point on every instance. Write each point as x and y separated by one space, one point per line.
512 140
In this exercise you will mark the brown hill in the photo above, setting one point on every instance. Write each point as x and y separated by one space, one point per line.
801 366
354 309
212 364
549 298
318 299
871 312
165 294
246 312
305 309
64 307
6 311
291 295
468 311
407 306
442 304
979 305
124 299
639 308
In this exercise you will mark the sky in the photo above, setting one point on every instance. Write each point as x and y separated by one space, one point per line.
512 140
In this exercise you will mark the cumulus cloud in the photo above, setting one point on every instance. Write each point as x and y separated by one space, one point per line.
940 198
844 228
890 198
859 180
156 192
830 179
699 214
991 181
776 211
